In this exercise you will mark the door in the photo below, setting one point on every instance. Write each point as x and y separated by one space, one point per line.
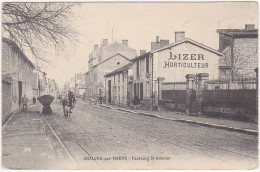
20 88
109 91
135 89
141 91
129 92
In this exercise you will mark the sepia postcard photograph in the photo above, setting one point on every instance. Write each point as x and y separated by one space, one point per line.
128 85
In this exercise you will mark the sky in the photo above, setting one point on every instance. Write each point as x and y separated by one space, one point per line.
140 23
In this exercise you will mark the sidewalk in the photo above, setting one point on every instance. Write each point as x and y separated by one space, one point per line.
28 143
227 124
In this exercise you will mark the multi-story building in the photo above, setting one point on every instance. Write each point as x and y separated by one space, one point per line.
172 63
79 84
52 87
18 78
240 47
103 60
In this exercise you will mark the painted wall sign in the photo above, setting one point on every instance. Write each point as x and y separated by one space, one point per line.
185 61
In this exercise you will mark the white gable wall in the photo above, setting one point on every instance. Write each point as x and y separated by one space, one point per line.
186 59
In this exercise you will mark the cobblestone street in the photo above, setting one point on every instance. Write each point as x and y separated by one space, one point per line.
104 133
97 138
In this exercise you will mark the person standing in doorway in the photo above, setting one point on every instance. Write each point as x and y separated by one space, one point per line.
24 102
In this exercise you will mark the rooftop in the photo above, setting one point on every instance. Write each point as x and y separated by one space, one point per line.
141 56
239 32
15 46
119 70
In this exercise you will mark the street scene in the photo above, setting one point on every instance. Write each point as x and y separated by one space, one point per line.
87 87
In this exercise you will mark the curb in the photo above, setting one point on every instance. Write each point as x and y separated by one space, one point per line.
218 126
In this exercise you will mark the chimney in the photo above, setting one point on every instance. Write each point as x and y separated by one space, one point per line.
249 26
157 39
125 42
95 47
179 36
142 52
105 42
164 42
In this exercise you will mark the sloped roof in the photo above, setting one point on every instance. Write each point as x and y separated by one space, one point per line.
113 48
111 58
187 40
225 61
15 47
141 56
119 70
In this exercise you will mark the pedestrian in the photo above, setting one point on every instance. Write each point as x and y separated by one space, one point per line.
64 105
73 100
34 100
20 103
100 99
136 102
24 102
70 95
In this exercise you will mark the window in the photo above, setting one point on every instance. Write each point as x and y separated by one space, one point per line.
118 63
119 78
123 77
114 79
137 67
147 64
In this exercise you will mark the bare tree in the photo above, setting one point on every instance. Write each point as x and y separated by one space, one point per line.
34 24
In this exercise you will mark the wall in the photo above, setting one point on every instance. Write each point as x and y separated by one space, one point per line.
6 101
15 66
96 76
119 88
143 77
199 59
246 55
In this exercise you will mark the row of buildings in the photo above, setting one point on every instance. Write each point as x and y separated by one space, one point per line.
76 84
118 74
21 77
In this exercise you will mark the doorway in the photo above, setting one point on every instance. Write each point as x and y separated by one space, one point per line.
20 88
141 91
109 91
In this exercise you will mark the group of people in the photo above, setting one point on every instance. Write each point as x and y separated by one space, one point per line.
68 102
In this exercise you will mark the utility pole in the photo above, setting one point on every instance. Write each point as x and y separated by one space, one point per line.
158 89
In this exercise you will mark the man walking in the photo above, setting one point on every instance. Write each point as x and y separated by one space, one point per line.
73 100
64 104
24 102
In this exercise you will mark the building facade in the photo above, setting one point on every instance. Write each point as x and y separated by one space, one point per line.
172 63
79 84
52 87
119 85
18 78
95 80
240 47
103 60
